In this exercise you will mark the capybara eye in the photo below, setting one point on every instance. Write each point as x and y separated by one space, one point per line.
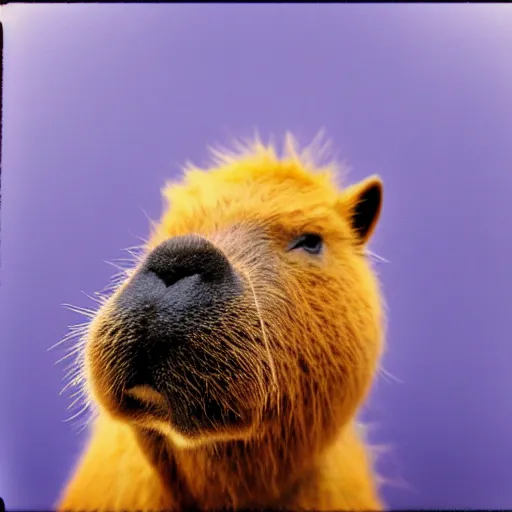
309 242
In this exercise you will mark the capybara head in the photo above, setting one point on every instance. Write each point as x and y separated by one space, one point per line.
254 311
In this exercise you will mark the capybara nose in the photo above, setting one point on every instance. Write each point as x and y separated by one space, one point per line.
182 285
186 256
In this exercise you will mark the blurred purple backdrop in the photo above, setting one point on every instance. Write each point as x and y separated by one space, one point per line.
102 103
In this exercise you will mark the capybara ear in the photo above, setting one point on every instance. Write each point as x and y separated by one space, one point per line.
362 202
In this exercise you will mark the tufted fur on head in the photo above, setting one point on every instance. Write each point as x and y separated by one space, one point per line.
291 358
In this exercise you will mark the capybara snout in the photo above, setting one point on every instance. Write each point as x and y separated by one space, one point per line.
184 344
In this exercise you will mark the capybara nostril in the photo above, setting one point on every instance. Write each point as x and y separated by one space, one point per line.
185 256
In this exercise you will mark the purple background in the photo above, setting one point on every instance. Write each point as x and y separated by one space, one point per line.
102 103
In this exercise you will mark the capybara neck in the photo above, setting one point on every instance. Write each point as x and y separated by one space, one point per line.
233 474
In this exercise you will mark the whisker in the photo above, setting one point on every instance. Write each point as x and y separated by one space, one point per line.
133 248
263 333
144 241
81 311
73 403
376 257
70 384
72 353
112 264
74 333
81 411
148 218
96 299
86 423
385 373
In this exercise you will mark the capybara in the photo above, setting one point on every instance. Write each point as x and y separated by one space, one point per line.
227 368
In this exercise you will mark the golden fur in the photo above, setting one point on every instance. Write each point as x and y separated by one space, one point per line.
321 329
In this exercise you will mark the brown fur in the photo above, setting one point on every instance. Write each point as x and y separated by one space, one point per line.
309 361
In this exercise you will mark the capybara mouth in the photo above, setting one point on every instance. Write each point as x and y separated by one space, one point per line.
147 402
144 400
185 403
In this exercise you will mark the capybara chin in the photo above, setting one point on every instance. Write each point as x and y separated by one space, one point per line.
227 368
